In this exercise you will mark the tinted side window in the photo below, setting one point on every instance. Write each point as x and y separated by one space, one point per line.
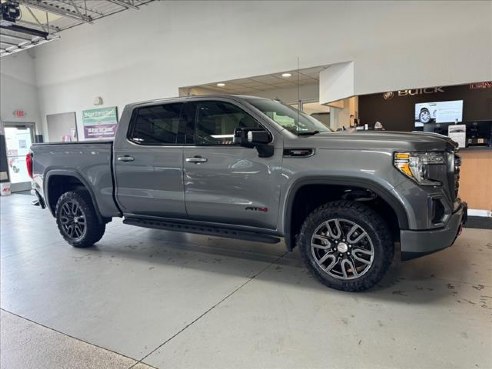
156 125
216 121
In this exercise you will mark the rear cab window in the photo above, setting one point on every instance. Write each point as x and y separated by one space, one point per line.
157 125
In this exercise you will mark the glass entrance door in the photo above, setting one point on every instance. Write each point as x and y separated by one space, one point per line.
18 139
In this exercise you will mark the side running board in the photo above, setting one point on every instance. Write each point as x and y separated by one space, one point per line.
201 229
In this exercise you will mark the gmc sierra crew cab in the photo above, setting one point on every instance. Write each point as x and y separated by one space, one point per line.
256 169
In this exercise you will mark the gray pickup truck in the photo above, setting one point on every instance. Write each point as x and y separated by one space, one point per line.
255 169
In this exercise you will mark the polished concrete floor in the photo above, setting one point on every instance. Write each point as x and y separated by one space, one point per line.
145 298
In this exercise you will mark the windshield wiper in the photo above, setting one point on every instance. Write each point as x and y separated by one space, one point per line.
311 133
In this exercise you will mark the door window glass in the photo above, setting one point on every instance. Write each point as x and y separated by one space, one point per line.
157 125
287 117
216 122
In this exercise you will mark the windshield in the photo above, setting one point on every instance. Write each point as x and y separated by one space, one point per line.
289 118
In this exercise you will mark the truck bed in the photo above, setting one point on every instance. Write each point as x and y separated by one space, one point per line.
90 161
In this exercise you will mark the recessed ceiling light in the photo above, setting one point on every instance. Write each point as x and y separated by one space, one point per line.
286 75
220 84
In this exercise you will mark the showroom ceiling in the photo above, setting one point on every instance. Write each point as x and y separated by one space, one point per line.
302 77
40 21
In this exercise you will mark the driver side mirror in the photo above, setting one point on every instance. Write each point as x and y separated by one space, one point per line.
258 137
254 137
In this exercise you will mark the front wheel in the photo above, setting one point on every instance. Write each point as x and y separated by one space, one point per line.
346 245
77 219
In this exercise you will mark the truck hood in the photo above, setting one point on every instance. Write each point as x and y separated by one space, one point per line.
373 140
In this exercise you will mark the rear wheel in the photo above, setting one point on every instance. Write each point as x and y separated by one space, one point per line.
346 245
77 219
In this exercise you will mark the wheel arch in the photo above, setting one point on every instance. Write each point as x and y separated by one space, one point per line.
59 181
392 207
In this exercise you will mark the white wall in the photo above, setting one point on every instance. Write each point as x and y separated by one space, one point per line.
18 89
138 55
336 82
289 95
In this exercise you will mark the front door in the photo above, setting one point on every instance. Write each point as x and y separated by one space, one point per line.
149 164
18 140
224 182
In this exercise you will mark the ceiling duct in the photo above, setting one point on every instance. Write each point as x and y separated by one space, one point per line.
11 13
28 23
25 30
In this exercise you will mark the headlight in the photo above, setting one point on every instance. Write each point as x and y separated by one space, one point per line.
415 165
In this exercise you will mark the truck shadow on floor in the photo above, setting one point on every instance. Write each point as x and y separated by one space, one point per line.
420 281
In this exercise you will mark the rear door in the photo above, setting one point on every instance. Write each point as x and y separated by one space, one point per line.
149 163
224 182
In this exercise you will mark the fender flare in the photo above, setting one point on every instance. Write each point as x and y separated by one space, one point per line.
397 206
79 177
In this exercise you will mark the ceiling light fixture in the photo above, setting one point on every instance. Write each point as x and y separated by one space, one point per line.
286 75
220 84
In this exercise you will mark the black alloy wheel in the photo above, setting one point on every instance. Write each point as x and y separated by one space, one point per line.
77 219
346 245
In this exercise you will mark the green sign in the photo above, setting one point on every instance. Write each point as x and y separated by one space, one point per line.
99 116
100 123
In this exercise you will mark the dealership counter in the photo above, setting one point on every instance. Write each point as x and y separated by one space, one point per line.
476 177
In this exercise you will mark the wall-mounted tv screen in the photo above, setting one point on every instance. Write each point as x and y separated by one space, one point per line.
438 112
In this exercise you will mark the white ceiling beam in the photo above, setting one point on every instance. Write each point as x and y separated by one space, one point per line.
8 43
10 50
76 8
85 8
30 24
65 12
15 36
36 19
123 3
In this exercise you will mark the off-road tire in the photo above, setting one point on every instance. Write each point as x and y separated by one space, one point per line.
375 227
93 228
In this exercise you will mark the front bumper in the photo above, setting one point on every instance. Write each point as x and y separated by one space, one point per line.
419 243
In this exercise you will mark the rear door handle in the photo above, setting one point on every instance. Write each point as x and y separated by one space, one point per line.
126 158
196 159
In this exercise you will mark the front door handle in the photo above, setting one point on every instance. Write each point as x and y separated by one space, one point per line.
196 159
126 158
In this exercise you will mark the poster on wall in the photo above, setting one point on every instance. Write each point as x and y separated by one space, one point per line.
100 123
